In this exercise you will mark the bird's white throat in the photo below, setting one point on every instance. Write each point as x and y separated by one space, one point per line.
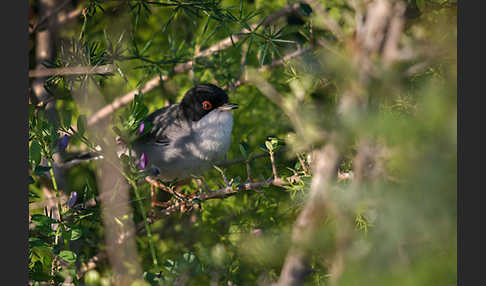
213 134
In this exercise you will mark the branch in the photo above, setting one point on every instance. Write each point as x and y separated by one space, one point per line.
104 112
276 63
48 15
192 200
229 191
391 49
82 70
321 18
287 58
296 266
244 52
417 68
70 16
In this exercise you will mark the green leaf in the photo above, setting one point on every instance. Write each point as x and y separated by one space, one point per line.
74 234
241 8
272 143
147 45
43 224
35 153
81 124
68 256
205 26
39 219
39 170
269 146
263 50
218 169
37 242
244 150
189 257
33 195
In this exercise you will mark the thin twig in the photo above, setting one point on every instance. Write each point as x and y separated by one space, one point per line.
303 164
82 70
248 171
274 168
287 58
244 52
417 68
228 191
70 16
276 63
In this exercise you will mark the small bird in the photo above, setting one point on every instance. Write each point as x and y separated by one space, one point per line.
186 137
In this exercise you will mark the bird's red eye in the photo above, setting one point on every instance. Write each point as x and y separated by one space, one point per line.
206 105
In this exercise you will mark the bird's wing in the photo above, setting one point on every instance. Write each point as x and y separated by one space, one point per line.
162 122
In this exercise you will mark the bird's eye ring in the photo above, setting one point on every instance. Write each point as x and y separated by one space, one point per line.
206 105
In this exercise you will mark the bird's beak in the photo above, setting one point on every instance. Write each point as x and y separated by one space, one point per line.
228 107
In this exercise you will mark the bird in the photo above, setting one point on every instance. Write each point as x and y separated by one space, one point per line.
187 137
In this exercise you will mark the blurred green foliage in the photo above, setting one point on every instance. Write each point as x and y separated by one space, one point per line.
405 223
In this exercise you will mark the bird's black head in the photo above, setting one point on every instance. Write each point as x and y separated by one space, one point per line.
202 99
